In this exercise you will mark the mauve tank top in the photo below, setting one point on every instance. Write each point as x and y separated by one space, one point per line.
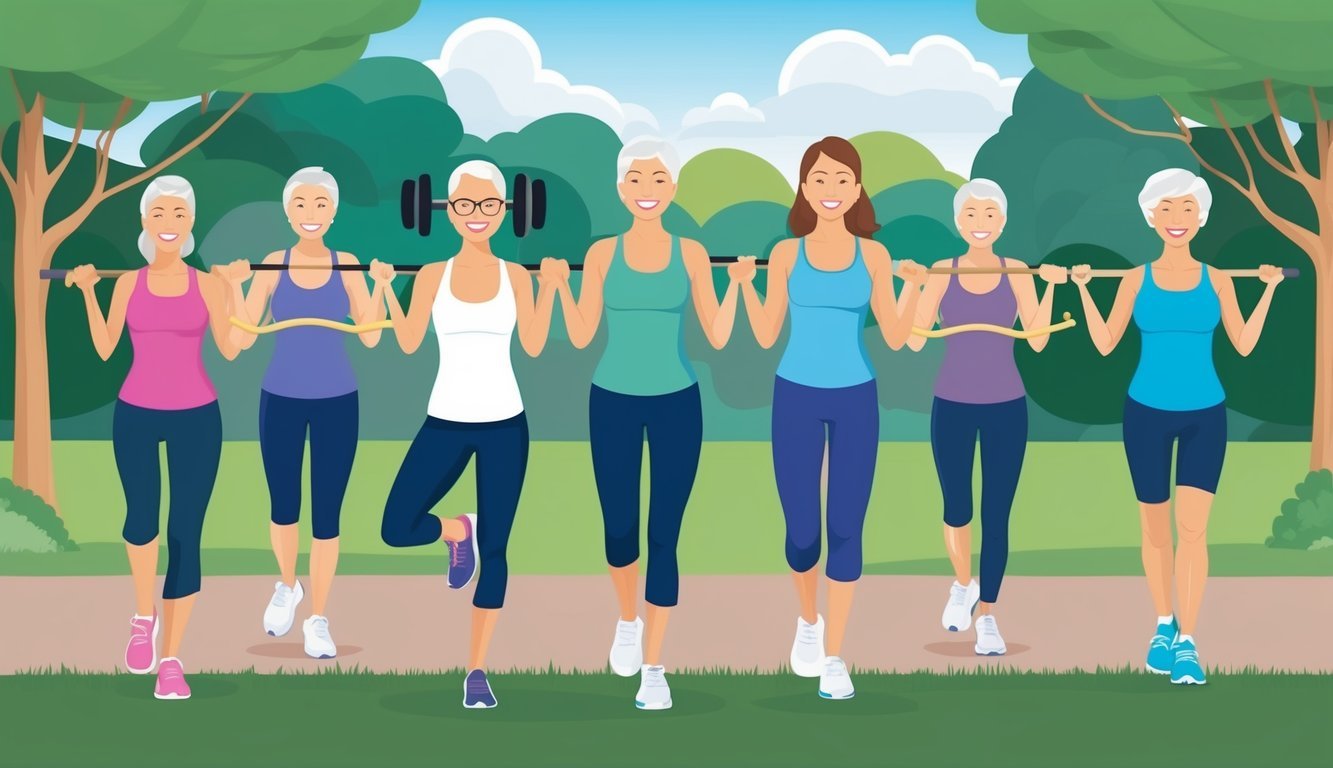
978 367
308 362
167 334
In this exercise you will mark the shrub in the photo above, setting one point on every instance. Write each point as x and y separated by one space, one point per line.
29 524
1308 518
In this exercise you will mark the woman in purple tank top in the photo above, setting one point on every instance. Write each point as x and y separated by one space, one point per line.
979 392
309 386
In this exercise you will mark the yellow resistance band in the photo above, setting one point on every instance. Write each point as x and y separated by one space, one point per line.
934 333
312 322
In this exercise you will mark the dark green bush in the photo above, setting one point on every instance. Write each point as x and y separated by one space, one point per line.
1308 517
29 524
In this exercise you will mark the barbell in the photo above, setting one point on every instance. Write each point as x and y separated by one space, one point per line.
528 204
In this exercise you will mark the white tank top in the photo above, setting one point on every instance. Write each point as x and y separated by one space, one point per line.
476 379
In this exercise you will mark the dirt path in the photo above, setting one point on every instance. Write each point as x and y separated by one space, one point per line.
740 622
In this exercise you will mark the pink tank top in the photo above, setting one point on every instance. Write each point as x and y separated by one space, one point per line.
167 334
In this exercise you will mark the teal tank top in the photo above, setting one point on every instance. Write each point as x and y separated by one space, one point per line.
645 312
1176 370
826 348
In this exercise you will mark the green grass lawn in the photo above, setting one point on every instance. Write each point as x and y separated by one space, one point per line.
1075 513
996 720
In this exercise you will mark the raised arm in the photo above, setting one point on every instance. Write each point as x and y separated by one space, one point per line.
928 306
1244 334
247 307
1106 334
409 327
583 316
895 323
365 306
1032 312
716 319
217 298
105 331
767 316
534 316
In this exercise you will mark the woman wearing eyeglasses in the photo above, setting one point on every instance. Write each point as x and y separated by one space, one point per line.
475 301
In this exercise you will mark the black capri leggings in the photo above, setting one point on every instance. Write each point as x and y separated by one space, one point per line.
194 448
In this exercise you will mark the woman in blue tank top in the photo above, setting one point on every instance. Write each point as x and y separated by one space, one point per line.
1176 398
309 386
829 277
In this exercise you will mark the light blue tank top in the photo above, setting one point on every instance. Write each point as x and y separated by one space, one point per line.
826 348
1176 370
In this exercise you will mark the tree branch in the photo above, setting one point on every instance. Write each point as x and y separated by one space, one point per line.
1184 135
54 176
1268 158
178 154
18 95
1235 143
4 169
1287 146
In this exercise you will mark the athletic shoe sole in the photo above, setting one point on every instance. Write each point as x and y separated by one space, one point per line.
322 655
980 652
476 555
831 697
169 696
652 707
480 705
1188 680
156 626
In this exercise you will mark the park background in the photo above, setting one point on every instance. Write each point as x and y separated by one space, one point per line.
928 95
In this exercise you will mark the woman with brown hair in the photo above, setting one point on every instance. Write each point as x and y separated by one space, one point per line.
825 394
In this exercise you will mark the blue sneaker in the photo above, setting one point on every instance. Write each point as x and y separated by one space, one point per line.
1187 670
1160 655
477 691
463 555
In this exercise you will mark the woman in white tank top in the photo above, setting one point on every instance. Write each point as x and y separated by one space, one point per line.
475 302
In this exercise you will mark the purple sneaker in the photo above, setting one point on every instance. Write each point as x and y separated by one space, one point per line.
171 680
463 555
141 652
477 691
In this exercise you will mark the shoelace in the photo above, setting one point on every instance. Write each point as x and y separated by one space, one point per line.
141 631
957 595
170 672
455 553
1187 655
1160 641
655 677
627 633
987 627
281 594
835 668
320 626
809 634
476 683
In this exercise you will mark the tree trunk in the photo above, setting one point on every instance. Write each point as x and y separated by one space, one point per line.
1321 429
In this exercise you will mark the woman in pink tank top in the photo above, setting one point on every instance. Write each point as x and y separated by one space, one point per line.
167 397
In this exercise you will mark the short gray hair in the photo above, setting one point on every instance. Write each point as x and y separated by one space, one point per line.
315 175
1175 182
478 169
647 148
165 186
980 189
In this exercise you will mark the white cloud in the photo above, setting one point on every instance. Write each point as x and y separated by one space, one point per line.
727 107
844 82
492 71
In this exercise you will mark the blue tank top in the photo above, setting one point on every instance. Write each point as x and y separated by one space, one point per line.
1176 370
307 362
826 348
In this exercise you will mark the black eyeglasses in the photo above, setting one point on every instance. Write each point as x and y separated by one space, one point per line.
464 207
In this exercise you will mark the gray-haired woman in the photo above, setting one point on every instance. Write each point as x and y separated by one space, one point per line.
166 398
309 387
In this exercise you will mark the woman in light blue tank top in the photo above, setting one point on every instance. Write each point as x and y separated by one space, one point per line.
308 389
828 278
1176 398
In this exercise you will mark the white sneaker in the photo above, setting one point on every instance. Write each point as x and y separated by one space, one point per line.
318 644
962 602
989 642
627 648
654 693
807 650
281 610
834 682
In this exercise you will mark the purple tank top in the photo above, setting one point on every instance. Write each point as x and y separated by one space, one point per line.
310 363
978 367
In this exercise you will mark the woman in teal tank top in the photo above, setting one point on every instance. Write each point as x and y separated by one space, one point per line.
825 395
644 385
1176 398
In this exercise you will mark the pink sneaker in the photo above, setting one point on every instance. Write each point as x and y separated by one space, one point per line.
171 680
141 653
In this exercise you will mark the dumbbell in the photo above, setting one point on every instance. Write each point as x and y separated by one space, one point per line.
528 204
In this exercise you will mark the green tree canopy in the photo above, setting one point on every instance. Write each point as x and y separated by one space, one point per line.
719 178
889 158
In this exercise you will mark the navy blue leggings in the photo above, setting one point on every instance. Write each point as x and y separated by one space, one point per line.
804 418
434 462
194 448
674 426
332 423
1004 438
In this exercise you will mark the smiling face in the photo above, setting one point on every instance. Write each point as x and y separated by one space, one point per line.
310 211
980 221
830 188
648 188
168 222
1176 219
478 224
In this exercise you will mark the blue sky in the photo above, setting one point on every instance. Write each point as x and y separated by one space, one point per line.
676 55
